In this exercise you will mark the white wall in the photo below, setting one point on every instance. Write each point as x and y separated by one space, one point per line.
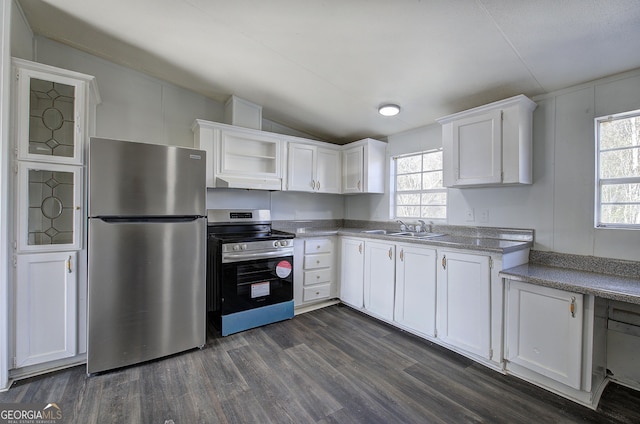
559 205
134 106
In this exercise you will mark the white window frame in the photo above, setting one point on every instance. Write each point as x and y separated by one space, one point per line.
394 180
600 182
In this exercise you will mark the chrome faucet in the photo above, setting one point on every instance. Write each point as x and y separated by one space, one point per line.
403 226
426 228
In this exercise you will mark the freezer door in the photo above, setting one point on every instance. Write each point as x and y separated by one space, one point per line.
139 179
146 294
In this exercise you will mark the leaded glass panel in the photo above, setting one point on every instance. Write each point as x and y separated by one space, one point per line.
51 118
51 206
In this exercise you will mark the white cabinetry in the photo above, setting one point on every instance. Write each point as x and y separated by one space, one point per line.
315 262
352 271
240 157
464 302
415 297
379 278
544 331
46 305
313 168
54 112
52 119
363 166
489 145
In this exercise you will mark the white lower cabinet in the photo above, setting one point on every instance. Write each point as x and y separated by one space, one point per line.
415 298
464 302
352 271
46 293
314 265
379 278
544 331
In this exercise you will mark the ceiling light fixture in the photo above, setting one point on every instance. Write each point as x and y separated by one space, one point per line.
389 110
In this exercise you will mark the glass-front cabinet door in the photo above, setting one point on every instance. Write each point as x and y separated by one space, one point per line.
49 207
50 115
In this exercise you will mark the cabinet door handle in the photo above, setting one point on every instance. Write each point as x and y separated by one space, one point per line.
390 253
444 262
572 307
402 255
318 185
69 265
359 185
313 184
360 248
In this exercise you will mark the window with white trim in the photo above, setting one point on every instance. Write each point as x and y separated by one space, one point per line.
419 192
618 171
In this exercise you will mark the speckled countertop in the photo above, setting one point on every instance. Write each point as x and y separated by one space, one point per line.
469 242
615 287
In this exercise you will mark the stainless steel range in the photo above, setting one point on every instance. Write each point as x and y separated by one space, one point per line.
249 270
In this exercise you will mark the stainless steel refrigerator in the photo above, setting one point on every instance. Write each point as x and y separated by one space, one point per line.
147 252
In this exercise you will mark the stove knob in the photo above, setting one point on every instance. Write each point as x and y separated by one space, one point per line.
244 247
236 247
284 243
276 243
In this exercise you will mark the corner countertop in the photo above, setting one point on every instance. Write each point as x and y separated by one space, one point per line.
620 288
491 245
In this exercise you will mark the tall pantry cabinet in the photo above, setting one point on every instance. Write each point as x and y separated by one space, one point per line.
53 117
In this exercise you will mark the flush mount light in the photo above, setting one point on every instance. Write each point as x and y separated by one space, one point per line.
389 110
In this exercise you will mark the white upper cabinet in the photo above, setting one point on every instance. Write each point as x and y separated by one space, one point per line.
489 145
313 168
240 157
363 166
53 108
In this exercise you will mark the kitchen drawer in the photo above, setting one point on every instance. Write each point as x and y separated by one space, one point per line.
318 276
322 291
318 261
319 245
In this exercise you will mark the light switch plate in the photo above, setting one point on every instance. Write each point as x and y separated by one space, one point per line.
470 217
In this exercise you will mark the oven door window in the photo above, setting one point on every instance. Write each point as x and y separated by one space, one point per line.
255 283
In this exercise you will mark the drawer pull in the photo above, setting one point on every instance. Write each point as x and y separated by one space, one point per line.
572 307
390 253
402 255
360 248
444 262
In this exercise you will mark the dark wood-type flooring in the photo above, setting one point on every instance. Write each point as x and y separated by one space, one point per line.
332 365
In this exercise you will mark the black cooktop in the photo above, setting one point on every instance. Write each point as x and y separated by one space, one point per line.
244 233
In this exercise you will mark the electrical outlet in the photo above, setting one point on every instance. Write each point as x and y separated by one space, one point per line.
470 215
483 215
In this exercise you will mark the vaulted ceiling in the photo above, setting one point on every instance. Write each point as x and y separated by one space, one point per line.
324 66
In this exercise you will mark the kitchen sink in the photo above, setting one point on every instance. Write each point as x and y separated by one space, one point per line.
416 234
375 231
412 234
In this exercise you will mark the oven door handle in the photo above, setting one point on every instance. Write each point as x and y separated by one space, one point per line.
239 257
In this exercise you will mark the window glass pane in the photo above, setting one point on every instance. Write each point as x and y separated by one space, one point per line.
620 193
620 133
408 211
432 180
408 182
408 164
436 212
419 186
620 163
434 199
408 199
620 214
432 161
